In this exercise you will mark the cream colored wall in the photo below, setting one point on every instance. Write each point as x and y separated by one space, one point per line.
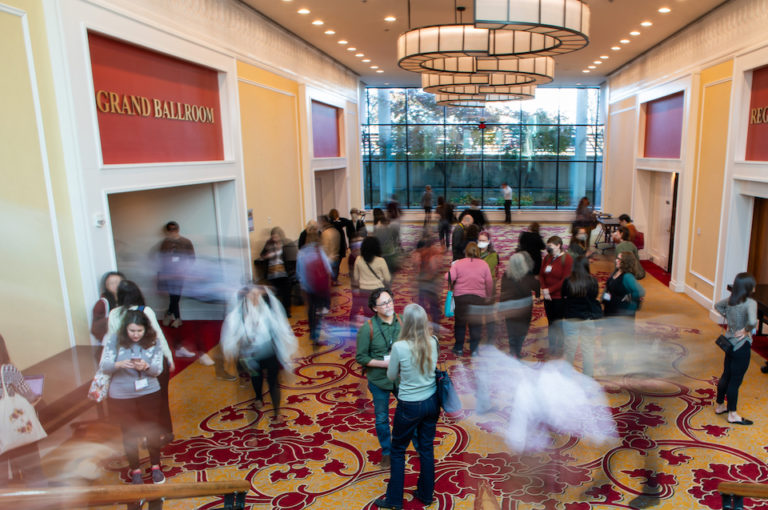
620 157
271 153
710 172
42 309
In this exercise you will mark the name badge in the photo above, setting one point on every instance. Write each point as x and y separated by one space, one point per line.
607 296
140 384
548 269
386 358
175 259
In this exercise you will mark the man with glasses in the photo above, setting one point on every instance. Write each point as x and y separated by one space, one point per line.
374 343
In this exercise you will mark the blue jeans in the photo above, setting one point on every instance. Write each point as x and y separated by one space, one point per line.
381 411
419 418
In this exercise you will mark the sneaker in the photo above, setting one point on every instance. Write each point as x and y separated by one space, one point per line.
323 311
205 360
226 376
183 352
157 476
458 352
176 323
168 319
136 478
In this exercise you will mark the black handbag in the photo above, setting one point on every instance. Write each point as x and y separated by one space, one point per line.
725 344
447 396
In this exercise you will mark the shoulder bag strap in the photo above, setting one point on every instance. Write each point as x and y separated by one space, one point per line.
374 273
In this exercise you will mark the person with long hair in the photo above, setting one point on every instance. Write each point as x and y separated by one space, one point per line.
740 312
107 301
370 273
581 309
623 295
518 287
24 459
134 359
314 272
531 242
257 335
130 298
472 286
412 363
555 268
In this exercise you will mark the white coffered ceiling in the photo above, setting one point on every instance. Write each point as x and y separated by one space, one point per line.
362 24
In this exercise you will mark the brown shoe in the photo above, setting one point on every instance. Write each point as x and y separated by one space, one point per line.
386 461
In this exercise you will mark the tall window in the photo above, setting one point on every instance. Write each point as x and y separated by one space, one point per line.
549 150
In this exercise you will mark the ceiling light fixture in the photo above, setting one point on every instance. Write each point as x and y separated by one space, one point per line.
318 22
390 19
634 33
303 11
366 60
536 69
441 83
646 24
592 67
359 54
585 71
351 48
476 100
665 10
615 48
379 71
604 57
374 67
597 62
330 32
343 41
624 41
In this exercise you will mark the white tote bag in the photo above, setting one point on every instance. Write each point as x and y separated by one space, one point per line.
19 424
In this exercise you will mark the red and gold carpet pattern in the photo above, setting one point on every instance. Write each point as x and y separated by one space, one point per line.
322 453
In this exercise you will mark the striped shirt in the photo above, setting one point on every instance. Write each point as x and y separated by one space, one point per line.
15 383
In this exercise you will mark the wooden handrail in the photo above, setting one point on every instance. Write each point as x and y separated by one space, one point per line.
113 494
749 490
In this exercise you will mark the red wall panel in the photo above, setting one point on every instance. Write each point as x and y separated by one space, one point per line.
158 108
757 131
664 127
325 130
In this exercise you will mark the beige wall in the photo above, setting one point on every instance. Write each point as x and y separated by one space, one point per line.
710 171
620 160
41 302
271 153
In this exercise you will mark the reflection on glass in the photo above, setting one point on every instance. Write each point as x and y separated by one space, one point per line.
422 108
425 142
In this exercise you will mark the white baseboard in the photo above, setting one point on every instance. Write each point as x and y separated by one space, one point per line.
699 297
677 286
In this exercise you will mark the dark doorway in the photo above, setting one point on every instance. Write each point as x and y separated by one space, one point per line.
758 246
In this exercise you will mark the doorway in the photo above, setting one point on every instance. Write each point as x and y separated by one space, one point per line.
656 212
758 245
331 191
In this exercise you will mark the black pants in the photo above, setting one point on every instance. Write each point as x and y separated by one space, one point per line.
734 367
282 288
164 416
517 330
271 367
173 305
507 212
138 418
461 318
427 215
555 311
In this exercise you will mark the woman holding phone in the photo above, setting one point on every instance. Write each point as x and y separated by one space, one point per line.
134 359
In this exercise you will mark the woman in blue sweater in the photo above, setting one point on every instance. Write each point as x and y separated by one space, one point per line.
134 360
413 360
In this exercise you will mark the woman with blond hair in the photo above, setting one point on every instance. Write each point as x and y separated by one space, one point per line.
413 360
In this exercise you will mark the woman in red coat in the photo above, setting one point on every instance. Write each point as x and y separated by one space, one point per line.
555 268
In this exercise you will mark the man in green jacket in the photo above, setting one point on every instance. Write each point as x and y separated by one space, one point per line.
374 343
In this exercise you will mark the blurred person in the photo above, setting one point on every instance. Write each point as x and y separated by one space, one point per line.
355 244
176 256
491 257
342 225
134 359
579 243
740 313
107 301
389 240
555 268
518 287
356 226
314 272
506 192
378 217
393 209
623 244
412 364
130 298
257 334
623 295
585 214
303 235
446 218
370 273
374 343
428 259
478 216
531 242
277 271
426 203
329 238
458 238
24 459
472 286
579 292
626 221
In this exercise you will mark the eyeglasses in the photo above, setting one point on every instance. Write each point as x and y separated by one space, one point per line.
386 303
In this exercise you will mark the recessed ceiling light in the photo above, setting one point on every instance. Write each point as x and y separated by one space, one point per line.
366 60
624 41
390 19
615 48
379 71
597 62
330 32
343 41
585 71
359 54
303 11
634 33
646 24
592 67
665 10
351 48
287 0
317 22
374 67
604 57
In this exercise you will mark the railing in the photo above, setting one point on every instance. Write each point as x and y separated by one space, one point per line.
133 495
733 493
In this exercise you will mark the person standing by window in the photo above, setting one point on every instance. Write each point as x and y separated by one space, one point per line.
506 191
426 203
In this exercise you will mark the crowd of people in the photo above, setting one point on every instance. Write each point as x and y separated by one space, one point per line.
494 294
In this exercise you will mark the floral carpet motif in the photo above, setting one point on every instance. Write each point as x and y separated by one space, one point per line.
322 452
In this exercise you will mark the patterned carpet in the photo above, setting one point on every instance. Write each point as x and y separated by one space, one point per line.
323 451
